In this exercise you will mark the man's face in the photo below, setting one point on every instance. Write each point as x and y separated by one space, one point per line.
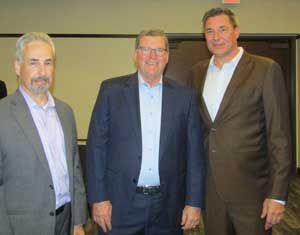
36 70
151 63
221 37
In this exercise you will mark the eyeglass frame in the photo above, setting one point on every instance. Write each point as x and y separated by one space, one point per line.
158 51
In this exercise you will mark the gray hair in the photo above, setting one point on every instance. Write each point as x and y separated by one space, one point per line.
152 33
220 11
32 37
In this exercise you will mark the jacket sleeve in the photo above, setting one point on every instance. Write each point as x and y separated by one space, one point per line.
4 221
195 179
80 204
97 148
277 119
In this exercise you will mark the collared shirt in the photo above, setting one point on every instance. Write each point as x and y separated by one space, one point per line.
150 111
216 83
52 137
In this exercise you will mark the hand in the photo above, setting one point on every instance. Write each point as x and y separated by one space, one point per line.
190 217
101 212
272 211
78 230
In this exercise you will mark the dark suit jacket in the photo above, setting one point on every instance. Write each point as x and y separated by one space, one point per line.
27 199
3 91
248 144
114 149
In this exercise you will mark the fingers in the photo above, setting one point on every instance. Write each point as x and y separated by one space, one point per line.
78 230
190 217
273 213
190 224
264 211
183 219
102 215
104 224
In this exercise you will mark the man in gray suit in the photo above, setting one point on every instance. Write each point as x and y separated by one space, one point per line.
41 185
244 108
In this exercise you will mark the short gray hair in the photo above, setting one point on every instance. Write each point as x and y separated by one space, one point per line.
152 33
32 37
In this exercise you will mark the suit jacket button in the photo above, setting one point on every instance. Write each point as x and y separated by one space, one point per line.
51 213
134 181
51 186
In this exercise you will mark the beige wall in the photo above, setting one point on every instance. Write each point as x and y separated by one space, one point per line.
83 63
129 16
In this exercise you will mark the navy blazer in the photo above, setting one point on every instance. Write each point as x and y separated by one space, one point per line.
114 148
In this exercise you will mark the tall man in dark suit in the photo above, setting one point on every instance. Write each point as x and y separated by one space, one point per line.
3 90
41 186
244 107
145 163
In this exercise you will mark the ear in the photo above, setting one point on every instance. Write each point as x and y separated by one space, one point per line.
167 57
135 58
237 31
17 67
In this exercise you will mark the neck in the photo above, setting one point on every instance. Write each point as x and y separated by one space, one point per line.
40 99
221 60
153 81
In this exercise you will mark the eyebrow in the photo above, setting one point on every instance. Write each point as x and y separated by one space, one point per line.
35 59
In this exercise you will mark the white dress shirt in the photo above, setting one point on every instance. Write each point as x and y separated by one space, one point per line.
52 137
150 112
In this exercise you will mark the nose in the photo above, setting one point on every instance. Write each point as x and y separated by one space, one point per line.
42 69
216 35
153 53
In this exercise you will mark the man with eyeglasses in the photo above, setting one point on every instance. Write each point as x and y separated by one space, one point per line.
144 154
244 108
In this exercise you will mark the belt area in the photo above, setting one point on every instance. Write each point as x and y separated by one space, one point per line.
148 190
60 210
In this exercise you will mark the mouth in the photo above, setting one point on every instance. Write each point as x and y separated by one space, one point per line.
152 62
40 81
218 45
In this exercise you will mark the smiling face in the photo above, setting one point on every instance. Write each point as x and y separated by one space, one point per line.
151 64
221 37
36 70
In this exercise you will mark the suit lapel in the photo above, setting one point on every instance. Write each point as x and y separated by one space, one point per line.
168 94
131 93
23 116
240 74
67 135
200 78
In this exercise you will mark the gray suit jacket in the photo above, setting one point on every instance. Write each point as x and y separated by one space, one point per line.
27 200
248 144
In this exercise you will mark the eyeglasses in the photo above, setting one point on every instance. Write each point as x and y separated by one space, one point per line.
147 50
